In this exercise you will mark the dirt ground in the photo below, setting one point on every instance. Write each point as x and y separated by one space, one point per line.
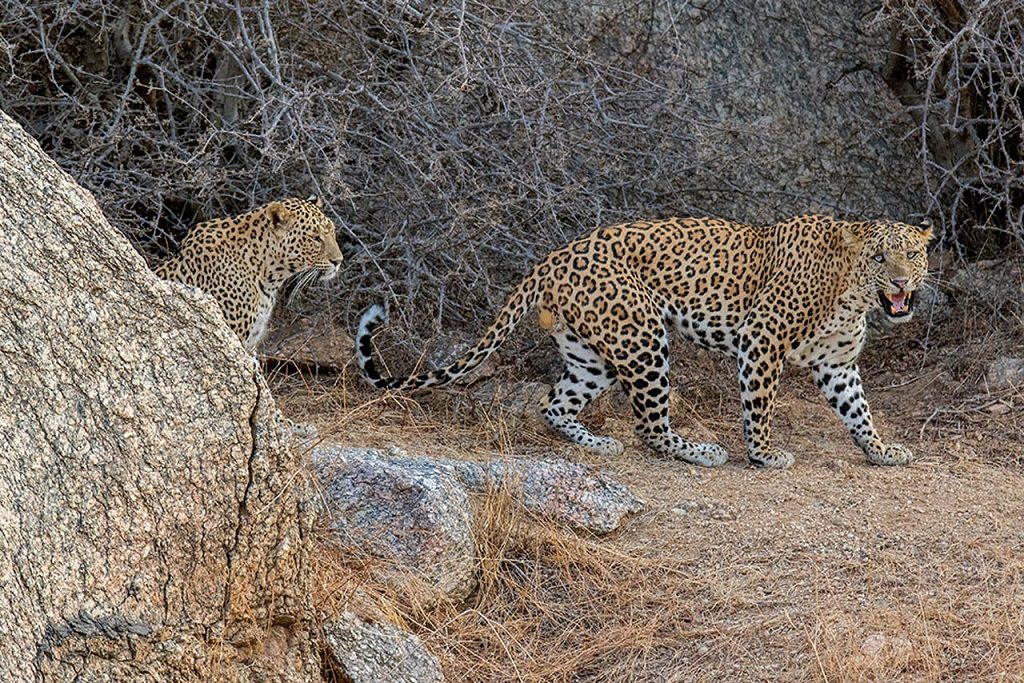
833 570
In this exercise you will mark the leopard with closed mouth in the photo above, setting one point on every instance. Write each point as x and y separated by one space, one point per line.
243 260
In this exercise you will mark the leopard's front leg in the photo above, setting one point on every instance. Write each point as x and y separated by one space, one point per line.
842 387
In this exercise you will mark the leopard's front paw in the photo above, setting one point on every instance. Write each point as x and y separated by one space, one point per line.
773 458
706 455
893 454
606 445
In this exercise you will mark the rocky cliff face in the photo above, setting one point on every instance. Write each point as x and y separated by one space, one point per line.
789 110
149 524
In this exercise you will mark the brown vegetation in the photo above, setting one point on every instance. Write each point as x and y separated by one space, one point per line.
831 571
457 142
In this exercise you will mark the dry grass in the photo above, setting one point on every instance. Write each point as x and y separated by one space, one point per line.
550 605
555 607
831 571
967 626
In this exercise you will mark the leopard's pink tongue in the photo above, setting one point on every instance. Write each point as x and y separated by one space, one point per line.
899 302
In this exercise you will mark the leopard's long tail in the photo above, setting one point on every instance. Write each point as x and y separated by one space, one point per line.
523 299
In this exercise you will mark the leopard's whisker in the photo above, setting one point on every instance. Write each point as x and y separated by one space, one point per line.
301 282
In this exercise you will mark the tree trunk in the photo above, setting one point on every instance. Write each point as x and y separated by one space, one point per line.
151 520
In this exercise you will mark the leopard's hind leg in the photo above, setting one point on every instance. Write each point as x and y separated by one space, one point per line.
586 376
643 372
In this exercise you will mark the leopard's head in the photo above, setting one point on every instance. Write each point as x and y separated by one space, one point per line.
892 263
307 238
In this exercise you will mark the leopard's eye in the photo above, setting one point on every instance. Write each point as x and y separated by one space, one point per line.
911 255
879 258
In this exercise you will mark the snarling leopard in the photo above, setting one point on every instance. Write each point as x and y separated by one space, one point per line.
797 292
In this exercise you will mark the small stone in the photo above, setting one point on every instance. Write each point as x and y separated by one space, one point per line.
1005 373
999 408
873 644
379 653
708 508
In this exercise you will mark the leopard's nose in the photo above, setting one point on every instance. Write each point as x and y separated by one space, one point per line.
900 282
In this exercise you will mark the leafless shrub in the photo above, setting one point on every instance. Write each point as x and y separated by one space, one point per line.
959 66
455 141
458 141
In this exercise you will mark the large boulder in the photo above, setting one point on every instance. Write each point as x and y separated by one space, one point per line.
570 493
790 111
413 513
150 529
409 513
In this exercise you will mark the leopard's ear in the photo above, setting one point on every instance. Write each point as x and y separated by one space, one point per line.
280 216
926 230
853 234
314 199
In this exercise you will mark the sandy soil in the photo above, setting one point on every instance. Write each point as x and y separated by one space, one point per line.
832 570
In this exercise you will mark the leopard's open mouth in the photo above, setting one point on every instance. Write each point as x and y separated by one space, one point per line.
899 306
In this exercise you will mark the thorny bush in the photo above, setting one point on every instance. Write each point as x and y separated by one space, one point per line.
959 68
455 142
510 126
